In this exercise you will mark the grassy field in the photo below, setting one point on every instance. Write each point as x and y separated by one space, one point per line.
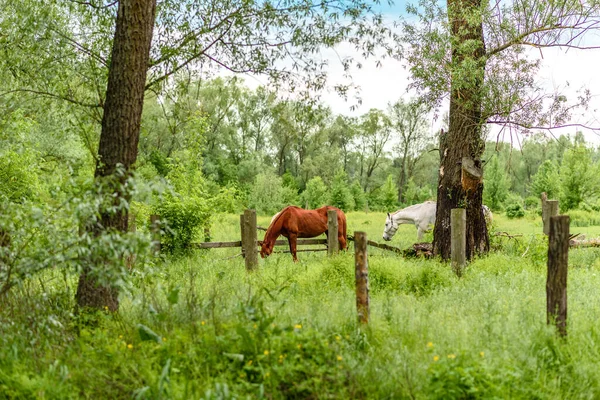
200 327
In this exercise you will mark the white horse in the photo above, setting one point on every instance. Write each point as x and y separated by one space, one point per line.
421 215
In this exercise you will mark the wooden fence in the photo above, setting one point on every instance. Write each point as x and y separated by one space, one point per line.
558 249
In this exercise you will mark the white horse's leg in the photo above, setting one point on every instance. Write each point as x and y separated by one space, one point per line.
419 233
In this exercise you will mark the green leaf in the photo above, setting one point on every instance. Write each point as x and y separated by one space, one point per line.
148 334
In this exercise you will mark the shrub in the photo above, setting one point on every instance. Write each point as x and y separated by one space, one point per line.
515 210
389 194
360 199
16 180
186 207
268 195
315 194
532 202
341 197
183 216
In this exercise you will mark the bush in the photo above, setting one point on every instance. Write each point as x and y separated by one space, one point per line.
315 194
389 194
183 216
515 210
17 182
186 207
532 203
414 194
360 199
341 197
268 195
38 237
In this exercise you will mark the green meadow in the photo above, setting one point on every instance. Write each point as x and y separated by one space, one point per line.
200 327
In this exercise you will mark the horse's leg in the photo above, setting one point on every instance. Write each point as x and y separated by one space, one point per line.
419 233
292 241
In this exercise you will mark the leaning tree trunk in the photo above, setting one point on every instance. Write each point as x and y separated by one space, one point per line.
460 185
120 126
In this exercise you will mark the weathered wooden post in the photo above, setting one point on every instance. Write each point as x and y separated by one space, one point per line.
556 284
458 239
549 210
242 237
155 231
333 246
250 239
361 267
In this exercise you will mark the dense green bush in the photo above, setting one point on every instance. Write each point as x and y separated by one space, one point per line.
17 180
340 195
414 194
358 194
37 237
515 210
268 195
532 203
182 216
389 194
316 194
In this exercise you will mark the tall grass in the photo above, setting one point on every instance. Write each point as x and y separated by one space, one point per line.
201 327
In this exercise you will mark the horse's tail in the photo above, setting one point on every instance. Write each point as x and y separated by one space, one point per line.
342 226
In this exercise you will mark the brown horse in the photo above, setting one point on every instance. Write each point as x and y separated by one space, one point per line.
294 222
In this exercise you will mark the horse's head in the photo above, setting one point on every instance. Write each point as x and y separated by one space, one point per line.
265 250
390 228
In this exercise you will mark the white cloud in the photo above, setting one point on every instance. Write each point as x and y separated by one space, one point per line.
563 71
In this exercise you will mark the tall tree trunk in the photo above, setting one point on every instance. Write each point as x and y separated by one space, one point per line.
402 177
120 126
464 136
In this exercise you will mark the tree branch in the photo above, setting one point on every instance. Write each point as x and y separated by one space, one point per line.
56 96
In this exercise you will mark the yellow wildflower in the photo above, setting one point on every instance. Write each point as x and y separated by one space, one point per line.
338 338
266 352
429 344
130 346
436 358
120 336
106 308
299 345
255 326
452 356
267 374
250 362
202 323
339 358
482 354
298 326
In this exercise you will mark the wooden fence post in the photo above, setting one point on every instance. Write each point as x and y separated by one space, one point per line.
556 284
242 237
155 231
549 210
361 267
458 239
250 239
333 246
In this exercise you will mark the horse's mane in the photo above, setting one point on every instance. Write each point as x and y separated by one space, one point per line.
273 223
